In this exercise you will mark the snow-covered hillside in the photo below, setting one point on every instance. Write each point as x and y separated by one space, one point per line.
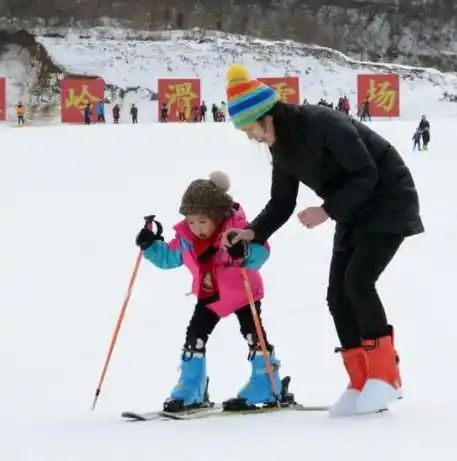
136 64
69 220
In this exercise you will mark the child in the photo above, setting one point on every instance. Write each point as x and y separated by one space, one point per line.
417 139
219 288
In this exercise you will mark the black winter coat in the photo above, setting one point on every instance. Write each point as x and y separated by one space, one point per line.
424 127
363 181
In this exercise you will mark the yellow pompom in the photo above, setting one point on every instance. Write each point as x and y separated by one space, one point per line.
237 73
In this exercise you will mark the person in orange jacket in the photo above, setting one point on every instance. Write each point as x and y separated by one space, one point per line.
20 111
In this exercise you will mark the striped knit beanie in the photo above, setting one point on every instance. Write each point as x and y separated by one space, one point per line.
248 99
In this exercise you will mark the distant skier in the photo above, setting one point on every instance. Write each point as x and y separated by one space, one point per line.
196 114
116 113
345 107
134 113
223 111
101 112
339 106
87 114
215 112
424 127
164 113
20 112
417 139
365 110
203 111
367 189
218 286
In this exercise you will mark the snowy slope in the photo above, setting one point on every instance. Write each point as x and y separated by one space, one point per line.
324 72
22 73
70 213
135 60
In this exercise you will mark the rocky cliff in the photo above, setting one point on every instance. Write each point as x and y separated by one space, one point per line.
416 32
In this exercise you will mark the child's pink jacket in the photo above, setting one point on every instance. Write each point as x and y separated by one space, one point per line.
232 293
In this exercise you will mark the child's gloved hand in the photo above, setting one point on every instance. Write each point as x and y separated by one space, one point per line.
239 250
147 236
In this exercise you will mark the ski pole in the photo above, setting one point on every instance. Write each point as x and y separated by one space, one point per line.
117 328
149 220
259 332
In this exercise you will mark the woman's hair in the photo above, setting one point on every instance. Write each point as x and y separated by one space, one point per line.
286 130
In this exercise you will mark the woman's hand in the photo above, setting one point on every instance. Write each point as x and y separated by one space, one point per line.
232 236
313 216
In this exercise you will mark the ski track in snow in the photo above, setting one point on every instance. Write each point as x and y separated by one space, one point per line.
73 199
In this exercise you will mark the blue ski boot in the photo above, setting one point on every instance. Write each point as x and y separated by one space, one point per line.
192 388
258 391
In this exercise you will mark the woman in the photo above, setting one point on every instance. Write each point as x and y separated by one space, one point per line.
367 190
424 128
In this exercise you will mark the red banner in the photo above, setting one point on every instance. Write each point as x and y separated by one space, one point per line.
382 92
288 88
2 99
76 93
180 95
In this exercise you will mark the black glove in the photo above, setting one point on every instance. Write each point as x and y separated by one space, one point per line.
147 237
239 250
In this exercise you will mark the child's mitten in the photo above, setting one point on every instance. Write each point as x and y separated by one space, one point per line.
239 250
147 236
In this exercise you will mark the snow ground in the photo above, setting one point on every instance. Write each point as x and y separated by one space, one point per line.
72 201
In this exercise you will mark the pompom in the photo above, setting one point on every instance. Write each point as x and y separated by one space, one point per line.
221 180
237 73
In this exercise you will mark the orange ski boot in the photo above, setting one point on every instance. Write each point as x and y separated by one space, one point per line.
383 384
355 362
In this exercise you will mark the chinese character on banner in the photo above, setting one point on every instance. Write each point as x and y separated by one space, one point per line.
382 92
2 99
180 96
288 88
76 93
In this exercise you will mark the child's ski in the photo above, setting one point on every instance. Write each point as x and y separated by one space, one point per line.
231 407
160 414
217 410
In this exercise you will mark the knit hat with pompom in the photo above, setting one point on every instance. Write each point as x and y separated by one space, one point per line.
208 197
247 99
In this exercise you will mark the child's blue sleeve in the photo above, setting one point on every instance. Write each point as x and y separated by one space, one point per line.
165 255
257 256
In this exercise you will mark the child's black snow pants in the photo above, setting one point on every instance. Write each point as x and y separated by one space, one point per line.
204 320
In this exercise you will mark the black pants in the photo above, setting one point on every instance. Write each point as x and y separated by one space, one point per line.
204 320
357 263
425 138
